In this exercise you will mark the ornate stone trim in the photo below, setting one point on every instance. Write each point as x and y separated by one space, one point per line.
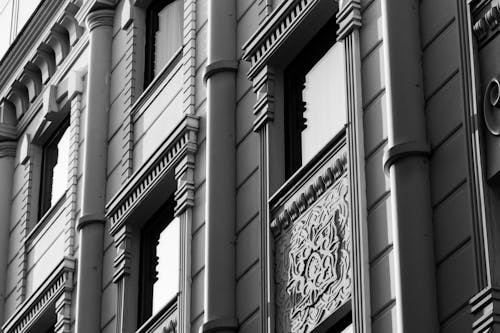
313 262
263 87
177 144
59 283
349 18
485 308
49 52
275 30
307 197
488 22
189 56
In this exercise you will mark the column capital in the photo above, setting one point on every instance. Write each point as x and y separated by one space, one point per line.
99 18
8 148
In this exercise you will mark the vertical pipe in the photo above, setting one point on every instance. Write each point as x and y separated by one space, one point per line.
406 160
7 154
220 78
91 223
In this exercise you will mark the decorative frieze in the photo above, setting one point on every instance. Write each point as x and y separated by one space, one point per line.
312 260
182 140
55 291
274 31
310 194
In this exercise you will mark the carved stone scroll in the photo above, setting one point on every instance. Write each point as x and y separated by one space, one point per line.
312 262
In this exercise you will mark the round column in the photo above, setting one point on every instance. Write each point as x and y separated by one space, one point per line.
91 223
220 284
7 155
407 163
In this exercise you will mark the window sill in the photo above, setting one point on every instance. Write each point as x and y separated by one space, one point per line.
166 317
45 221
162 78
300 177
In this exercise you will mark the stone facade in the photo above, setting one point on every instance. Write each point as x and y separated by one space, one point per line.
391 226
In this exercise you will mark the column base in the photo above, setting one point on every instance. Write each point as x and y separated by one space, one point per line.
220 325
485 308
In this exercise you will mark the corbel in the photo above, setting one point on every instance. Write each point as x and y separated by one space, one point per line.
123 258
49 104
32 79
8 121
45 60
128 14
18 95
24 149
59 41
263 87
184 175
70 23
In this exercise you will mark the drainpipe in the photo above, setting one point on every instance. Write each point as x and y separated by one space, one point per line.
220 77
91 223
7 155
407 162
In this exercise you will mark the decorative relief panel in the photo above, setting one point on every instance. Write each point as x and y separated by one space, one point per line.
312 262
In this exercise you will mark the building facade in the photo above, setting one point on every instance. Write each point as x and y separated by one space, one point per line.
249 166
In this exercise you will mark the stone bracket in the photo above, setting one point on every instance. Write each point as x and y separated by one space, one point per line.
485 308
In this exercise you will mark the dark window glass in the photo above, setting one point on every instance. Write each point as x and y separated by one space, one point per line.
159 281
54 178
163 35
315 98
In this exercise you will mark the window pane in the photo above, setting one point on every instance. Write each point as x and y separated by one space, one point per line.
26 8
60 170
5 22
167 251
324 96
348 329
168 38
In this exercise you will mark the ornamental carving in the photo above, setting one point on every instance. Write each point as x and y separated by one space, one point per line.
312 263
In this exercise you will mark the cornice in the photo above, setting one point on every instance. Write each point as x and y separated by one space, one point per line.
60 280
33 59
182 140
274 31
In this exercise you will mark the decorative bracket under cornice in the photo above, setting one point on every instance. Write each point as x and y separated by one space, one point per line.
53 47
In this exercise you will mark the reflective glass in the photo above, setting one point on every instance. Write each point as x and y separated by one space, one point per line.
26 8
167 251
5 25
324 95
60 170
168 38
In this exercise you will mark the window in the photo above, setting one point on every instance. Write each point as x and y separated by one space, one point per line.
314 98
13 16
163 35
159 266
55 160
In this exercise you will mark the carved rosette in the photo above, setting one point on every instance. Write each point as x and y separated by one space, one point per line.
312 262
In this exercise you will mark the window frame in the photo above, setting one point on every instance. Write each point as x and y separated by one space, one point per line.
152 26
148 260
293 83
45 192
